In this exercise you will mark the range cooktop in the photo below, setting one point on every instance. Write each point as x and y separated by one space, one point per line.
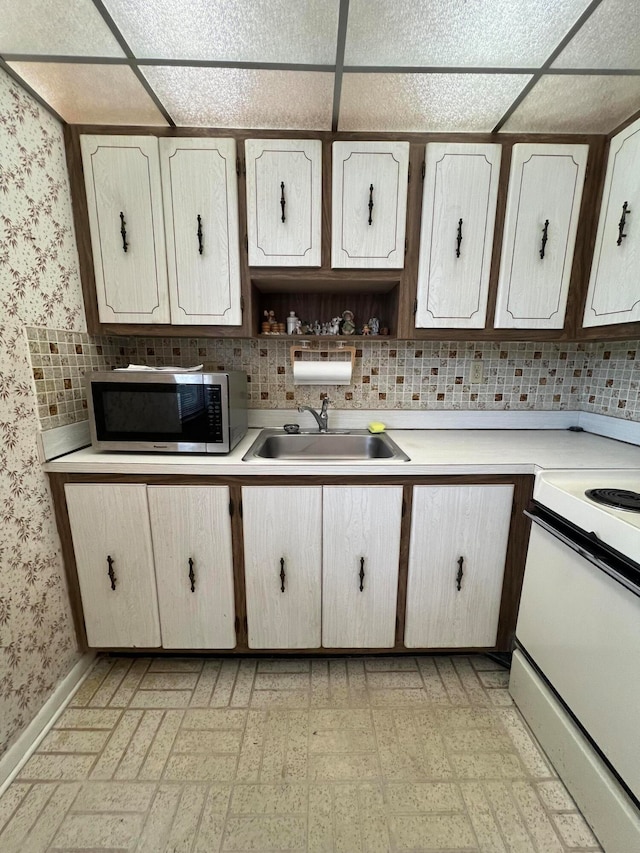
567 493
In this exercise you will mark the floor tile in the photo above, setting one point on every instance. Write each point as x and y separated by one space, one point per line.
351 754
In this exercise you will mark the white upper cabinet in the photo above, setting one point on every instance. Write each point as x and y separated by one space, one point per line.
369 204
284 202
541 221
456 237
200 195
124 198
614 286
361 550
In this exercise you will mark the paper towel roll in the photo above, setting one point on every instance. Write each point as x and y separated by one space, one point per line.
322 373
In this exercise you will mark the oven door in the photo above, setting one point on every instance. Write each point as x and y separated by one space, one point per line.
580 627
151 412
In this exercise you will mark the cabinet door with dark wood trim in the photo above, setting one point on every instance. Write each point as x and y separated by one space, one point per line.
124 198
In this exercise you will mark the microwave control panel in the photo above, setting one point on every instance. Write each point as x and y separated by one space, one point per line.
214 412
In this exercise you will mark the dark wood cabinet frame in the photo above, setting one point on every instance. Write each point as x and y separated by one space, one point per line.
514 566
321 291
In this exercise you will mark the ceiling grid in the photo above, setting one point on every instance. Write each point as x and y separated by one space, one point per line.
570 66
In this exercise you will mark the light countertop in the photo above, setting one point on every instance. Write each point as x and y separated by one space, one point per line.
443 452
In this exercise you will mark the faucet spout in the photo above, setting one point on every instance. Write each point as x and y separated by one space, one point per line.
322 417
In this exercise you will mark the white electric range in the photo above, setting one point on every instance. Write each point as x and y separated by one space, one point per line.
576 670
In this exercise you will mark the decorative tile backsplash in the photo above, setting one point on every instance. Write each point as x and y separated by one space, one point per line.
602 378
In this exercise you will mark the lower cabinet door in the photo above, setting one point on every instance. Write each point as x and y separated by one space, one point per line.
191 530
114 558
361 551
283 564
457 554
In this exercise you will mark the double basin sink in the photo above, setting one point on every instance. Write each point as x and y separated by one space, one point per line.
344 445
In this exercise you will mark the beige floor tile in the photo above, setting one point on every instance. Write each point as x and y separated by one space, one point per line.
348 835
284 665
125 692
176 664
330 718
555 796
10 801
482 818
355 766
244 684
159 820
345 740
374 829
279 699
319 683
404 697
206 682
282 681
451 681
224 685
470 682
251 747
536 820
394 680
213 820
269 799
158 753
494 678
139 745
169 681
99 830
390 664
51 767
511 824
107 763
187 819
24 817
500 698
214 718
50 819
91 683
161 699
193 740
409 797
114 797
264 833
433 684
320 838
200 768
483 663
68 740
574 830
432 832
111 683
85 718
486 765
478 740
530 753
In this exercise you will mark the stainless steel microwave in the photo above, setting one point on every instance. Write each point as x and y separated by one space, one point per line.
167 412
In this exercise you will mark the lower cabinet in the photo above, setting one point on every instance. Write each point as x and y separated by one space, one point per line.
360 559
114 558
191 532
283 565
321 565
457 555
154 564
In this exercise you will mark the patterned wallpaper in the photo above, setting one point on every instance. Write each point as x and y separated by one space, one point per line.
602 378
39 284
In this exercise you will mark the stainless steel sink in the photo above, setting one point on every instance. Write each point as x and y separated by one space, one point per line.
353 445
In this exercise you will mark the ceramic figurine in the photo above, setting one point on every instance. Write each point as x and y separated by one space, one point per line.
374 326
297 330
348 326
317 328
366 330
335 326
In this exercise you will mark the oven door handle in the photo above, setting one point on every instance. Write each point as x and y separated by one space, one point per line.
592 558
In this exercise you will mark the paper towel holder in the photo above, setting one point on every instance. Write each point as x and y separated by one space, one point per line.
304 346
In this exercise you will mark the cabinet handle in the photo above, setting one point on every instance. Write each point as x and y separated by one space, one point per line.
460 574
623 219
370 204
282 574
361 574
111 573
123 231
199 232
282 199
545 237
192 575
459 238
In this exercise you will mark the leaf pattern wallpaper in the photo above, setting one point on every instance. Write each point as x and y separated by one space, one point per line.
40 286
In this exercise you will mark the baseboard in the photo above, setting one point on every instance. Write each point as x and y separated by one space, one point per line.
16 756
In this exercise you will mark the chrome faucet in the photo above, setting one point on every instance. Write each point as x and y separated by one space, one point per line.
322 418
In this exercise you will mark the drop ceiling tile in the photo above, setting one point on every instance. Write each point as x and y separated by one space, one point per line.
91 94
63 28
234 97
427 102
576 104
610 38
464 33
233 30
